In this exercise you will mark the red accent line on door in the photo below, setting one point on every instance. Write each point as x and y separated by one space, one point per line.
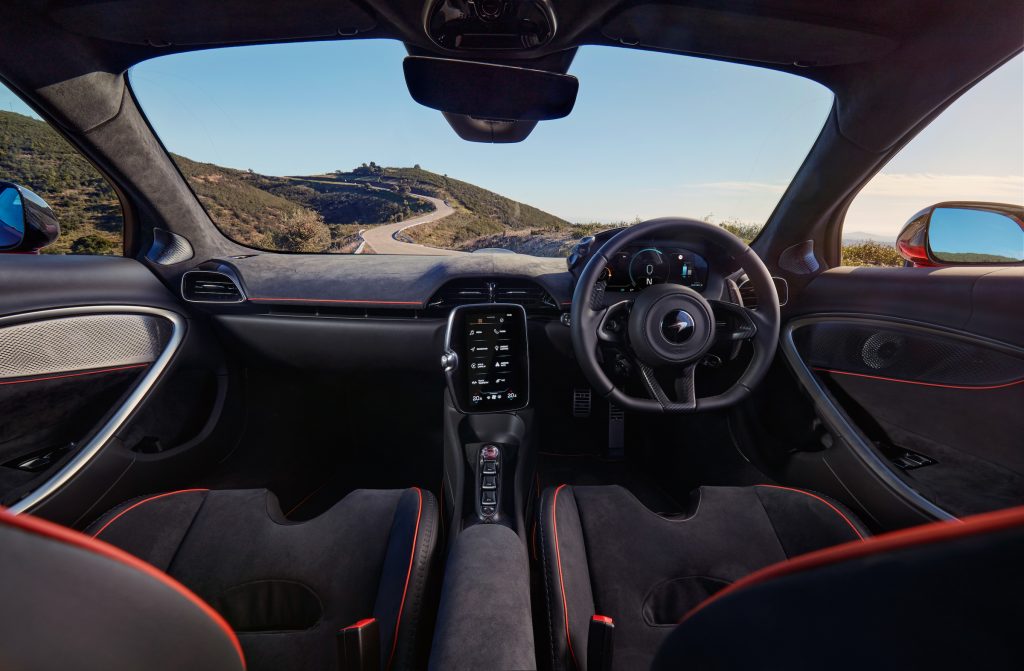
923 384
79 374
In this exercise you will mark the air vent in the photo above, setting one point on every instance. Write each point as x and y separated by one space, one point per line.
750 297
207 286
529 296
521 292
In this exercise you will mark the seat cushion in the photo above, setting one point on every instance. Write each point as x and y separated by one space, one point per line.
604 553
287 588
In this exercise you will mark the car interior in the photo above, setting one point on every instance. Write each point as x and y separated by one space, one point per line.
669 448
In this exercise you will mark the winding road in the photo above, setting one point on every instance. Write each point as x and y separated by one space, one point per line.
381 239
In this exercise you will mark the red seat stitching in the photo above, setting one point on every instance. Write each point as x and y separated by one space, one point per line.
408 575
561 582
64 535
139 503
890 542
815 496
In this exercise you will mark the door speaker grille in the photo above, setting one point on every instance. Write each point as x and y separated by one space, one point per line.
80 343
904 354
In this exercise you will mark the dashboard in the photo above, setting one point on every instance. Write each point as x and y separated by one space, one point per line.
644 265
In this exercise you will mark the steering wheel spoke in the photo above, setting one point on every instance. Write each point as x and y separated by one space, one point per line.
733 322
612 321
683 381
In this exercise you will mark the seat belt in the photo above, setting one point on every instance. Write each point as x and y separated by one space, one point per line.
359 646
599 643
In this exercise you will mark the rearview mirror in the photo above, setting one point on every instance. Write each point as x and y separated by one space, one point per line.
27 224
488 91
964 234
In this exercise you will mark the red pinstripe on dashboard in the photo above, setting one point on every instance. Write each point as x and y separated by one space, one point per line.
353 301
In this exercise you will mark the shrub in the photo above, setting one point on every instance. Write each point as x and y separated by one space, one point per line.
94 244
871 253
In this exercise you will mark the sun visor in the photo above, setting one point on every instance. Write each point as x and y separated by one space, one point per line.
744 37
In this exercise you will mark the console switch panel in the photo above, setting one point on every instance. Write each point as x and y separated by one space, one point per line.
488 482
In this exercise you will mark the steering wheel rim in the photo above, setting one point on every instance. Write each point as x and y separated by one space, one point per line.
589 311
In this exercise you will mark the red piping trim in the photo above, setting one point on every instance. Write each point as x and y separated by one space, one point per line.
922 384
815 496
86 372
139 503
362 623
408 575
561 583
336 300
64 535
935 532
603 619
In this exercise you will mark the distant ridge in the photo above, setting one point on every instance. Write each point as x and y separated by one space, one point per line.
854 237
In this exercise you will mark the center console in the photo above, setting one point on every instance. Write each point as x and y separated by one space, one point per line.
489 467
486 363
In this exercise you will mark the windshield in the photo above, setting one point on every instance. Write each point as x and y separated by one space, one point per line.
318 147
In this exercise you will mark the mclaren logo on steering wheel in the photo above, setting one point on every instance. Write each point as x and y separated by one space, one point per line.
677 326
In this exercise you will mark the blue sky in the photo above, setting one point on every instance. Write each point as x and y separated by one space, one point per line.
651 134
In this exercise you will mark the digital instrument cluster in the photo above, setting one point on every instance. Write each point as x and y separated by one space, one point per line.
636 268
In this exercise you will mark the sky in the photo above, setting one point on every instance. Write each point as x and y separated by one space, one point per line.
651 134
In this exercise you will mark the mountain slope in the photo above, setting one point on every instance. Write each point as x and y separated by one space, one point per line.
310 213
34 155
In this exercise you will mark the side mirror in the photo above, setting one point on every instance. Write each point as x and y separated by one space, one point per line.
27 224
964 234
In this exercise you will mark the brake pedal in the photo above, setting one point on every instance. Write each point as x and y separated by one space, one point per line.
581 398
616 432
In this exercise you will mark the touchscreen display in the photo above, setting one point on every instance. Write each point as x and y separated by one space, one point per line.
493 363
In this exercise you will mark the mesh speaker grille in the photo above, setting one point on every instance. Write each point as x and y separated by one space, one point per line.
80 343
904 354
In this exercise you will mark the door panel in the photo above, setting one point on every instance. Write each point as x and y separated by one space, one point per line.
920 374
119 394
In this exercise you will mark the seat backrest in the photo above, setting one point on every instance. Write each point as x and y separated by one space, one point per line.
943 595
70 602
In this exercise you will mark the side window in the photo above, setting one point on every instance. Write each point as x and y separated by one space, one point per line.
971 153
36 158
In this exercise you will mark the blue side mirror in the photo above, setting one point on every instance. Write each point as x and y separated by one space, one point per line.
27 224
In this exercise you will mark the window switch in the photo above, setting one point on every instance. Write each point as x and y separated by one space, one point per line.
490 482
488 498
490 468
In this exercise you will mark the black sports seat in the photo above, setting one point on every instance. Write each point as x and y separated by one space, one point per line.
604 553
948 595
70 602
285 588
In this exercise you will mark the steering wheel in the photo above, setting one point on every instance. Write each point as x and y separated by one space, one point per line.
671 327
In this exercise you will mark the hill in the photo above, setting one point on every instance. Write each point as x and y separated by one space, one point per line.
33 155
859 237
309 213
315 213
481 215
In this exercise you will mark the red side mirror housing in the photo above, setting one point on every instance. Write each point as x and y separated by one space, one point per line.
912 242
964 233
